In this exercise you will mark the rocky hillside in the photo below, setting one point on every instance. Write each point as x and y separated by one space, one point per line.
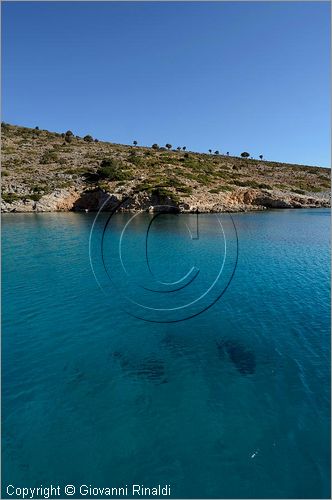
46 171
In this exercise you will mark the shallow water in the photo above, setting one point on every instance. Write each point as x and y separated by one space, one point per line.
232 403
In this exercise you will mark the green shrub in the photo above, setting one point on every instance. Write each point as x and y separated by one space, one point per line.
35 196
221 189
204 179
314 189
136 160
103 185
144 186
49 157
8 150
108 167
249 183
189 175
185 189
163 193
240 183
41 189
10 197
173 182
112 170
222 175
88 138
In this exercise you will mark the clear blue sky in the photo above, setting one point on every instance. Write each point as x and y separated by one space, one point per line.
233 76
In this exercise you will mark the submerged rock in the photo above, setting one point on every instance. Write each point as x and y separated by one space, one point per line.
241 356
151 369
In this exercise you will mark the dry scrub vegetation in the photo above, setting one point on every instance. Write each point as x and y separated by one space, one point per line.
37 162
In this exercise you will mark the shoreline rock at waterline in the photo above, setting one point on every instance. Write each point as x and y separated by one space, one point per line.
92 200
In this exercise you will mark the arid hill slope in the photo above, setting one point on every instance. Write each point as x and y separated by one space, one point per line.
46 171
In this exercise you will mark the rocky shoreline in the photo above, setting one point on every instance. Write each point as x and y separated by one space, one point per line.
91 200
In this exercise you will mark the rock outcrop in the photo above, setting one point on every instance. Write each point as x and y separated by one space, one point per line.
241 200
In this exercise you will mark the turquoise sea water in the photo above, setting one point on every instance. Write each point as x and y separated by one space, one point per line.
233 403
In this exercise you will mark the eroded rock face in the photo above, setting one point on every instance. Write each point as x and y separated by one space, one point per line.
251 198
59 200
241 200
94 200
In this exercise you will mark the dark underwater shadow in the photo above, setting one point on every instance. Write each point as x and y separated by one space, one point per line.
242 357
151 368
